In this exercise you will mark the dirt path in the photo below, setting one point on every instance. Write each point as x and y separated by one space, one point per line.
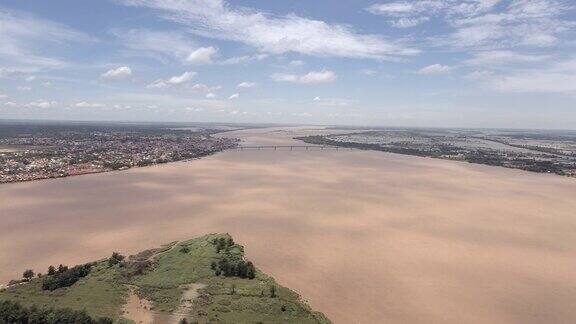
138 309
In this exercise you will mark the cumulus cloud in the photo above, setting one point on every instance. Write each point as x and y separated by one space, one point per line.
234 96
10 104
84 104
313 77
274 34
324 76
203 55
24 88
434 69
210 95
44 104
246 85
199 87
120 73
172 81
179 79
30 78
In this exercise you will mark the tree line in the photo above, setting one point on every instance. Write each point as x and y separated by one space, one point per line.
241 269
64 277
14 313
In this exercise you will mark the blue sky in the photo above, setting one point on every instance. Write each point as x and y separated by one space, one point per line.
475 63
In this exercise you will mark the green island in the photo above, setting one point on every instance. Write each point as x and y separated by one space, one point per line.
202 280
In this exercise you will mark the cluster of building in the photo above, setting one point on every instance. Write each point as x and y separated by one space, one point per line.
61 153
537 151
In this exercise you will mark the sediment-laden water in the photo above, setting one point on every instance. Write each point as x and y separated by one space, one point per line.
365 237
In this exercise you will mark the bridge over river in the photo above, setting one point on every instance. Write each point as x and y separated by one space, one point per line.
291 147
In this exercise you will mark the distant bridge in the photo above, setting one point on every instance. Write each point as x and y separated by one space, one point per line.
291 147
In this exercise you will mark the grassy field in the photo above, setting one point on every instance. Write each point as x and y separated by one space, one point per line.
172 268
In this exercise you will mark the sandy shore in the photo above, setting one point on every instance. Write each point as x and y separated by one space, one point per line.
366 237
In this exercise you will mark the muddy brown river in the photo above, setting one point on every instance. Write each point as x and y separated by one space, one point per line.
365 237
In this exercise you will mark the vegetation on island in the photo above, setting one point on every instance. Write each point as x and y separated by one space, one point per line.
206 279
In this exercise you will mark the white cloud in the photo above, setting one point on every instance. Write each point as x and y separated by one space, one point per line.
503 57
324 76
479 75
42 104
330 102
368 72
313 77
274 34
531 23
234 96
210 95
24 88
3 96
10 104
296 63
203 55
393 8
120 73
243 59
193 109
558 78
26 37
84 104
184 77
175 80
199 87
434 69
409 22
158 44
283 77
30 78
483 24
246 85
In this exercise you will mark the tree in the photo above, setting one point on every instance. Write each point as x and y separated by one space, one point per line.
115 258
250 270
183 321
273 291
62 268
28 274
51 270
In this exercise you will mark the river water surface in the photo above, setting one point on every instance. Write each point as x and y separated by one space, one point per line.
365 237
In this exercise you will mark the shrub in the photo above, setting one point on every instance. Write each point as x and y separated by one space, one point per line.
66 278
28 274
12 312
115 258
